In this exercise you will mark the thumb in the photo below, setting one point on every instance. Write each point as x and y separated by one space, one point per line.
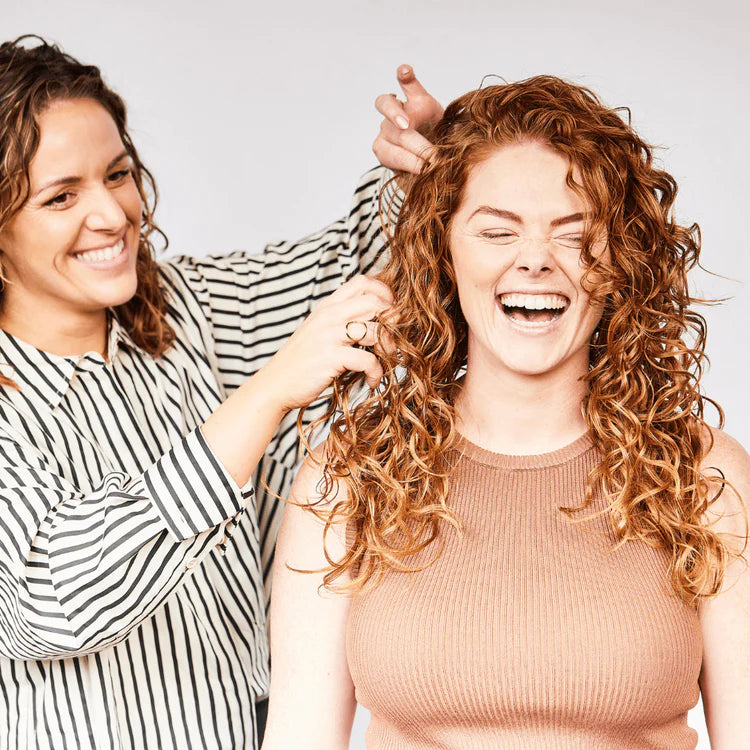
409 82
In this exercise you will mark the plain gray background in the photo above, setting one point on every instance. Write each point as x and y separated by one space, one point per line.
257 118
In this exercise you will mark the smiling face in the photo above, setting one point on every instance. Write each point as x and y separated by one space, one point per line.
516 248
70 251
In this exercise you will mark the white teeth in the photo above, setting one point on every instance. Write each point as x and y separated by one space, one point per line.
106 253
534 301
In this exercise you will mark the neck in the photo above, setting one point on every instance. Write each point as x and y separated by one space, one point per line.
68 334
513 413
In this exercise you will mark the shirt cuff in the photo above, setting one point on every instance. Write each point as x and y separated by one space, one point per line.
191 490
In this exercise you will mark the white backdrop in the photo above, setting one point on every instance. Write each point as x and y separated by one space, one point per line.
257 118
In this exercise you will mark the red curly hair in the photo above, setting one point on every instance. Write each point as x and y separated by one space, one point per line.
392 452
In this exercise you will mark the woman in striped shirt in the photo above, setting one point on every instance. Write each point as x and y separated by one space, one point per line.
137 405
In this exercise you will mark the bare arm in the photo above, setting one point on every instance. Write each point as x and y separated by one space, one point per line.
312 696
725 618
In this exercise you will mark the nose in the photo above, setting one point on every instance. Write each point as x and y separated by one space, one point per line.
104 212
534 257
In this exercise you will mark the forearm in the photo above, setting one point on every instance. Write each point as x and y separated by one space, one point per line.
240 430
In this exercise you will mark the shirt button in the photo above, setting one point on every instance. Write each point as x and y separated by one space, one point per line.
190 564
221 544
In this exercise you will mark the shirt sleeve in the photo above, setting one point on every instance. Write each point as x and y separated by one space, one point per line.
252 303
80 569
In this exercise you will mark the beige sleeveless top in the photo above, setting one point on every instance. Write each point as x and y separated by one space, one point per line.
529 631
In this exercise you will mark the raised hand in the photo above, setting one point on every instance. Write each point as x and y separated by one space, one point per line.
401 145
324 345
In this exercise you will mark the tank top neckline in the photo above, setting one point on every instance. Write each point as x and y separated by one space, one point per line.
563 455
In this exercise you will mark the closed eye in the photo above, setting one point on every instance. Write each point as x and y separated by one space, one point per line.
60 200
120 175
570 240
500 237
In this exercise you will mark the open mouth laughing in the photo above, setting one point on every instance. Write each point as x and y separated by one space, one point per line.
536 310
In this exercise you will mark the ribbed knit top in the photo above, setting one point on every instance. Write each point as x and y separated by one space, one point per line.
529 631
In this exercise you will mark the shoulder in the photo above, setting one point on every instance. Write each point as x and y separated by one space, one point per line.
309 474
723 618
198 289
727 457
309 488
191 270
315 490
724 451
727 466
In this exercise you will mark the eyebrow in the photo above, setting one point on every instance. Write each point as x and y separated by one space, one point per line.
498 212
72 180
501 213
570 219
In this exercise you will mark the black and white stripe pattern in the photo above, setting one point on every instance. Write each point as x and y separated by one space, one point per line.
132 611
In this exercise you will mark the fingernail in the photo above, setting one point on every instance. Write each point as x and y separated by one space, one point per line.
402 122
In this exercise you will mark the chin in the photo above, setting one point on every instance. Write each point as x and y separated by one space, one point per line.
529 371
530 367
120 295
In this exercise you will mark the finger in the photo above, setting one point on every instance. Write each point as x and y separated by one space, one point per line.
365 308
361 332
398 159
410 139
409 82
393 110
360 360
390 142
385 343
362 285
356 285
371 334
416 143
380 288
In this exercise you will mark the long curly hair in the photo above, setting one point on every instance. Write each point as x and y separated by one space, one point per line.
32 78
391 452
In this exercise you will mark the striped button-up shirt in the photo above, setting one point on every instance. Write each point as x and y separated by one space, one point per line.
132 608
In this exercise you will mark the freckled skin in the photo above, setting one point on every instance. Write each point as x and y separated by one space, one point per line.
495 254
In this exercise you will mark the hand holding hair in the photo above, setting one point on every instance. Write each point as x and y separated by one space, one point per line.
401 144
334 338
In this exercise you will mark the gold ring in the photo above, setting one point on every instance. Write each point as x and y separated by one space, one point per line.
350 336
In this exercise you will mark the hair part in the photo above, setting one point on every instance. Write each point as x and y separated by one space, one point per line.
392 452
31 79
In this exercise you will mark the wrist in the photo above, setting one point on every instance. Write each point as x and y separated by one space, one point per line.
240 429
268 392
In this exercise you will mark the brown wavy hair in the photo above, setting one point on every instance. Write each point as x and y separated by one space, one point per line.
392 452
31 78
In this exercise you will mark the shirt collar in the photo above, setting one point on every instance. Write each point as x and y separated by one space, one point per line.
119 336
48 376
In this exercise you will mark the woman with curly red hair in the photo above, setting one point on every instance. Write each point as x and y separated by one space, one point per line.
532 537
